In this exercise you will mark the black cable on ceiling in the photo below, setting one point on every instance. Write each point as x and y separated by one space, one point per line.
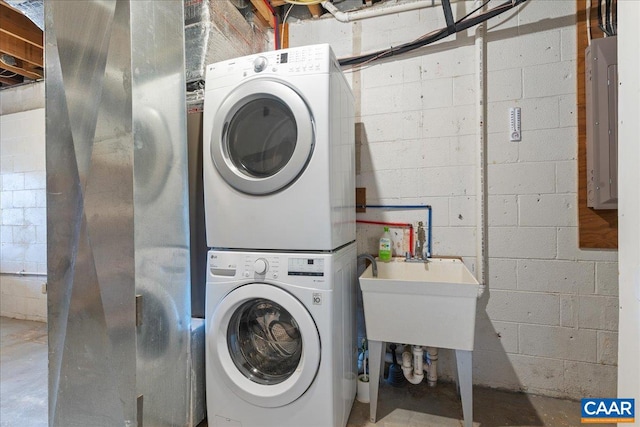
460 25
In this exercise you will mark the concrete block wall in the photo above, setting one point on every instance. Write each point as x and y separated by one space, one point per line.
23 217
548 321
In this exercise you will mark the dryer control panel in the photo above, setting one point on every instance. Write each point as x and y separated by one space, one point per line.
299 60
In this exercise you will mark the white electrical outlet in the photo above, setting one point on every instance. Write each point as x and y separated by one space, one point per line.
514 124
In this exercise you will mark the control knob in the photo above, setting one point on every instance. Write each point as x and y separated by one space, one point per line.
260 266
259 64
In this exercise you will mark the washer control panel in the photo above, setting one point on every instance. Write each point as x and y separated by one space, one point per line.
264 265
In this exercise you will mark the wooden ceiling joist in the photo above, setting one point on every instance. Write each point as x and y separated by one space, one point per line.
17 25
23 41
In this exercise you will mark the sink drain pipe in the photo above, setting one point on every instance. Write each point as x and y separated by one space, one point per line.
413 366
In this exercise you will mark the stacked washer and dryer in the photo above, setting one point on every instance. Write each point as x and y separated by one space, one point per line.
279 179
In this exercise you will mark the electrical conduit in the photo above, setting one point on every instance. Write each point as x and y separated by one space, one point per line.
481 160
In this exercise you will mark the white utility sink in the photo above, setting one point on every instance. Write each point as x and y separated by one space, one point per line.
431 303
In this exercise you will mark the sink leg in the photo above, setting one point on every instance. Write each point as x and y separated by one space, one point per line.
376 357
464 364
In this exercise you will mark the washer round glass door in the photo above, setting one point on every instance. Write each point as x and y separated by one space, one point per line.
267 346
262 138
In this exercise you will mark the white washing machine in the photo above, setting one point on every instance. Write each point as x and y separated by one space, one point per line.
279 152
280 338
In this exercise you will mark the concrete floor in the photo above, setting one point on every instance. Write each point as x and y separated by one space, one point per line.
23 394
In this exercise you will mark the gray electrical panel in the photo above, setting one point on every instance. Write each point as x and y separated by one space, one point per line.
601 84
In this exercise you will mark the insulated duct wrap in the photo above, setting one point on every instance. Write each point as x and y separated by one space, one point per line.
215 30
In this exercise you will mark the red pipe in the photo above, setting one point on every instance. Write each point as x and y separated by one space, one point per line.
275 24
394 224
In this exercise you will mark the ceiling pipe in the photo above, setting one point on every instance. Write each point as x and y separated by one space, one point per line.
381 10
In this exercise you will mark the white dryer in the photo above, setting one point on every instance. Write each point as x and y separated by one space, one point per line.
280 338
279 152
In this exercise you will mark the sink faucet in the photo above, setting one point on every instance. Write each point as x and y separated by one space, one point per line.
374 265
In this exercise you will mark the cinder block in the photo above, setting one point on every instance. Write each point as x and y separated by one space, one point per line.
548 210
548 14
41 198
24 199
35 216
568 43
412 97
435 93
462 211
437 151
524 307
522 242
608 348
549 79
500 149
36 252
556 276
458 241
536 375
36 309
567 110
566 177
583 379
504 85
557 342
35 180
6 165
549 144
598 312
524 50
568 248
6 199
521 178
380 100
464 89
12 181
607 278
13 216
10 266
569 311
41 233
451 121
24 234
409 154
502 274
536 113
503 211
463 150
383 74
437 62
495 336
28 163
6 234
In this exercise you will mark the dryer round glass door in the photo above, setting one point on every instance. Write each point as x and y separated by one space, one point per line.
266 345
263 137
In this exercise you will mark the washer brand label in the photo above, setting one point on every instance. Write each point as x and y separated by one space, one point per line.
317 299
608 410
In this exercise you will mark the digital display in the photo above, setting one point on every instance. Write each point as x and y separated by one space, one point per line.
306 267
284 57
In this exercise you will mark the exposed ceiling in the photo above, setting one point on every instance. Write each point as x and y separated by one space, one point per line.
21 48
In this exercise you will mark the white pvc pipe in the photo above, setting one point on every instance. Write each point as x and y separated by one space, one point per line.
381 10
412 366
481 132
432 369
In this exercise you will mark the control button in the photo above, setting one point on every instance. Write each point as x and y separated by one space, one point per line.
275 275
246 274
260 266
259 64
